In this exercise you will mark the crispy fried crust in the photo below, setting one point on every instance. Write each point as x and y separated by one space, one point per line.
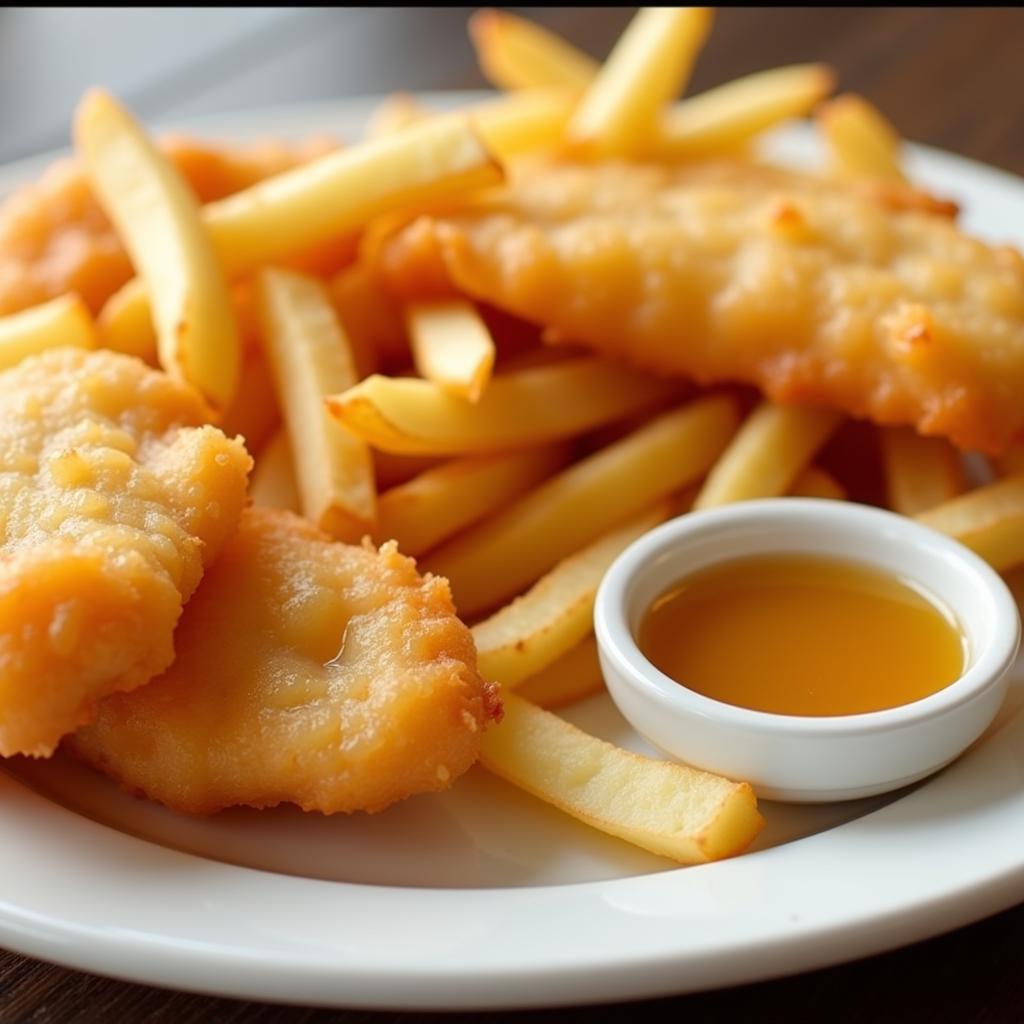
112 499
308 671
865 300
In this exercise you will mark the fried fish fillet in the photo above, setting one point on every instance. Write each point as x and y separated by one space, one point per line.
112 499
308 671
864 299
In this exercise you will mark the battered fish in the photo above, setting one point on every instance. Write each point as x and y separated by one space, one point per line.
816 292
112 499
308 671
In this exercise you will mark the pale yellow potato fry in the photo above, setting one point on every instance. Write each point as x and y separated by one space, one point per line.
64 321
393 114
861 143
515 53
344 190
451 346
500 557
574 676
518 410
273 479
767 454
309 356
125 322
814 482
920 472
439 502
159 222
557 612
727 116
523 121
989 520
662 806
333 195
648 68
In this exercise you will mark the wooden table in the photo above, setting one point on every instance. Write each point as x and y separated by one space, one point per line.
952 78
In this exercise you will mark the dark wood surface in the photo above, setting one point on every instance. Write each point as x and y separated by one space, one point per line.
952 78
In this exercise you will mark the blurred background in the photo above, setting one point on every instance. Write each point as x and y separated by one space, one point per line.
928 69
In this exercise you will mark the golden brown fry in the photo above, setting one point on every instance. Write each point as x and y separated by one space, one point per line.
557 612
309 357
273 480
61 322
861 143
159 222
574 676
439 502
415 417
451 346
515 53
648 67
920 472
665 807
775 443
989 520
723 118
505 554
814 482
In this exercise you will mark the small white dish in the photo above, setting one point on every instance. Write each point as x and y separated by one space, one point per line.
791 757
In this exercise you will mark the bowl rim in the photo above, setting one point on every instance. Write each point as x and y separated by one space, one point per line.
985 669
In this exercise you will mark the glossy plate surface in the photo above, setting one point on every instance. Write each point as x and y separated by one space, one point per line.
483 897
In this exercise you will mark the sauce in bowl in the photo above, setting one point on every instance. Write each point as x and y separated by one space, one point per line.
800 635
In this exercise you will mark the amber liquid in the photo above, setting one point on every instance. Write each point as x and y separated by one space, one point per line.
802 636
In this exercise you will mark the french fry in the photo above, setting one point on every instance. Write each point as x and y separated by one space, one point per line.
435 505
273 479
648 67
309 356
518 410
662 806
557 612
920 472
342 191
393 114
159 222
861 143
767 454
814 482
451 346
523 121
254 413
727 116
515 53
574 676
125 323
989 520
62 321
329 197
505 554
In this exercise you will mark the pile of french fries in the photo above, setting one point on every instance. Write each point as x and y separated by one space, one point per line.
517 473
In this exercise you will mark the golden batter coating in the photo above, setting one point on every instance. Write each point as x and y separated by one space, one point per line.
308 671
112 500
864 299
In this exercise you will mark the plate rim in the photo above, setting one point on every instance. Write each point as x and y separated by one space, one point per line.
352 962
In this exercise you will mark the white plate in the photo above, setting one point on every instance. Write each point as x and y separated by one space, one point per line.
483 897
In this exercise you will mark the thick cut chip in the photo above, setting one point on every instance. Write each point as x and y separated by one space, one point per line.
307 671
112 499
817 291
